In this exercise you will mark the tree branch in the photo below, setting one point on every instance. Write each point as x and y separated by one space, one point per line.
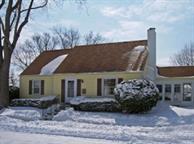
25 21
2 25
2 3
12 21
16 5
7 43
37 7
1 50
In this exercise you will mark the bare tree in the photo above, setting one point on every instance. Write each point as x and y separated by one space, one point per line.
14 15
13 79
68 38
44 42
185 57
92 38
25 53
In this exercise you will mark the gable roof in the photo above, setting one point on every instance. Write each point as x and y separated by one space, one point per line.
176 71
107 57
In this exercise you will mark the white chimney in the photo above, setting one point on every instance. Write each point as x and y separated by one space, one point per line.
150 69
151 34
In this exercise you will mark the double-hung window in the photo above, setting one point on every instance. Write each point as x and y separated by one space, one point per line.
36 87
109 85
177 88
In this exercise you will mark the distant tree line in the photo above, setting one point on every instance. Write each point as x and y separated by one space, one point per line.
58 38
185 57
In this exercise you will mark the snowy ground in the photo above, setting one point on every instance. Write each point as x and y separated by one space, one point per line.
164 124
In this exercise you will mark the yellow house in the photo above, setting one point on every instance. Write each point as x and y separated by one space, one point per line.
94 70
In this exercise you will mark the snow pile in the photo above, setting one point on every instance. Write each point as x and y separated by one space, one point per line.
84 99
53 65
22 113
47 98
85 117
164 124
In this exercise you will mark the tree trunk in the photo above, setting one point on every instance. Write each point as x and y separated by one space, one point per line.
4 83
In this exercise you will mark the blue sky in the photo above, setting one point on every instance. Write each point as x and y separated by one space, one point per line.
123 20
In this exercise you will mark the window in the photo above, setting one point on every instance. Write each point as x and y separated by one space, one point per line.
167 88
36 86
70 88
109 85
159 86
187 92
167 92
177 88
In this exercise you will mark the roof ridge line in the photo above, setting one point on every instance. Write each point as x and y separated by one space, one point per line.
120 42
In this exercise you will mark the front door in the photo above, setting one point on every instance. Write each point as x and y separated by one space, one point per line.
70 90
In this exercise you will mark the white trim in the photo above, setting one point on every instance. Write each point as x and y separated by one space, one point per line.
106 78
66 88
172 93
163 92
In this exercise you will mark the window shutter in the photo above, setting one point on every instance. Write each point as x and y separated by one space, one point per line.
79 87
120 80
30 87
42 87
99 87
63 91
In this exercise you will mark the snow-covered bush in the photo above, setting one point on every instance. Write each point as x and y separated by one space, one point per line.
95 104
136 95
39 102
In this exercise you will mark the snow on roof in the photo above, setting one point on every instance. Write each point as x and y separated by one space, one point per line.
49 68
139 48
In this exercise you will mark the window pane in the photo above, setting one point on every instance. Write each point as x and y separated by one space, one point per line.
177 88
36 90
167 92
109 85
168 88
187 90
159 88
36 86
70 86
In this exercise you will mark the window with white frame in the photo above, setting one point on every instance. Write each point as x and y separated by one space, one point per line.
187 92
36 87
109 85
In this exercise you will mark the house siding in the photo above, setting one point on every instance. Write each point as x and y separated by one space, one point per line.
89 81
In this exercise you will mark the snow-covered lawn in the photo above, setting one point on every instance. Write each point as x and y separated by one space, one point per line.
8 137
164 124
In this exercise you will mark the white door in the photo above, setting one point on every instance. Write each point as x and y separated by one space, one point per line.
71 89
